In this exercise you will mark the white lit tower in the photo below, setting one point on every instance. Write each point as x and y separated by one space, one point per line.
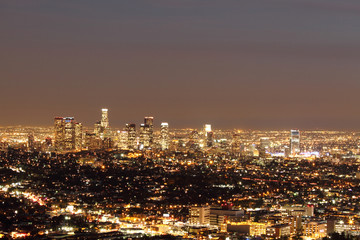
78 136
149 130
209 135
104 124
144 138
69 130
59 133
104 118
294 142
131 136
164 136
207 128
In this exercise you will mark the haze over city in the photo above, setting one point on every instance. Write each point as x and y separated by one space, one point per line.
180 119
260 64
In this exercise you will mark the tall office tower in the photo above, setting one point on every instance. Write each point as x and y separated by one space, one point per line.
164 136
104 118
97 128
149 123
144 138
131 139
264 146
235 143
194 140
59 124
69 130
64 133
209 135
92 142
294 142
207 128
78 136
122 139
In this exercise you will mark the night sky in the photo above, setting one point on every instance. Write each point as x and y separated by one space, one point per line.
260 64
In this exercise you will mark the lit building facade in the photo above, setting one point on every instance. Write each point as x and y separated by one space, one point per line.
97 128
78 136
200 215
64 133
249 228
104 118
209 135
315 229
131 136
59 133
122 139
164 136
144 138
69 130
149 127
294 142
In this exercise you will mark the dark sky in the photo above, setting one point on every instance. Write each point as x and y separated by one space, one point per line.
261 64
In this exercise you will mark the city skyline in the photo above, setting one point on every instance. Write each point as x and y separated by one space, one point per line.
237 64
180 119
158 122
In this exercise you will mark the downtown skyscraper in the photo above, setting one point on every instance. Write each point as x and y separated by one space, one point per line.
146 133
164 136
294 142
65 133
104 118
131 136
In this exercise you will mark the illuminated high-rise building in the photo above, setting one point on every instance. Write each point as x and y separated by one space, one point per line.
97 128
78 136
194 140
144 139
209 135
294 142
92 142
102 127
164 136
131 139
122 137
146 133
264 146
69 130
64 133
149 123
59 124
104 118
207 128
